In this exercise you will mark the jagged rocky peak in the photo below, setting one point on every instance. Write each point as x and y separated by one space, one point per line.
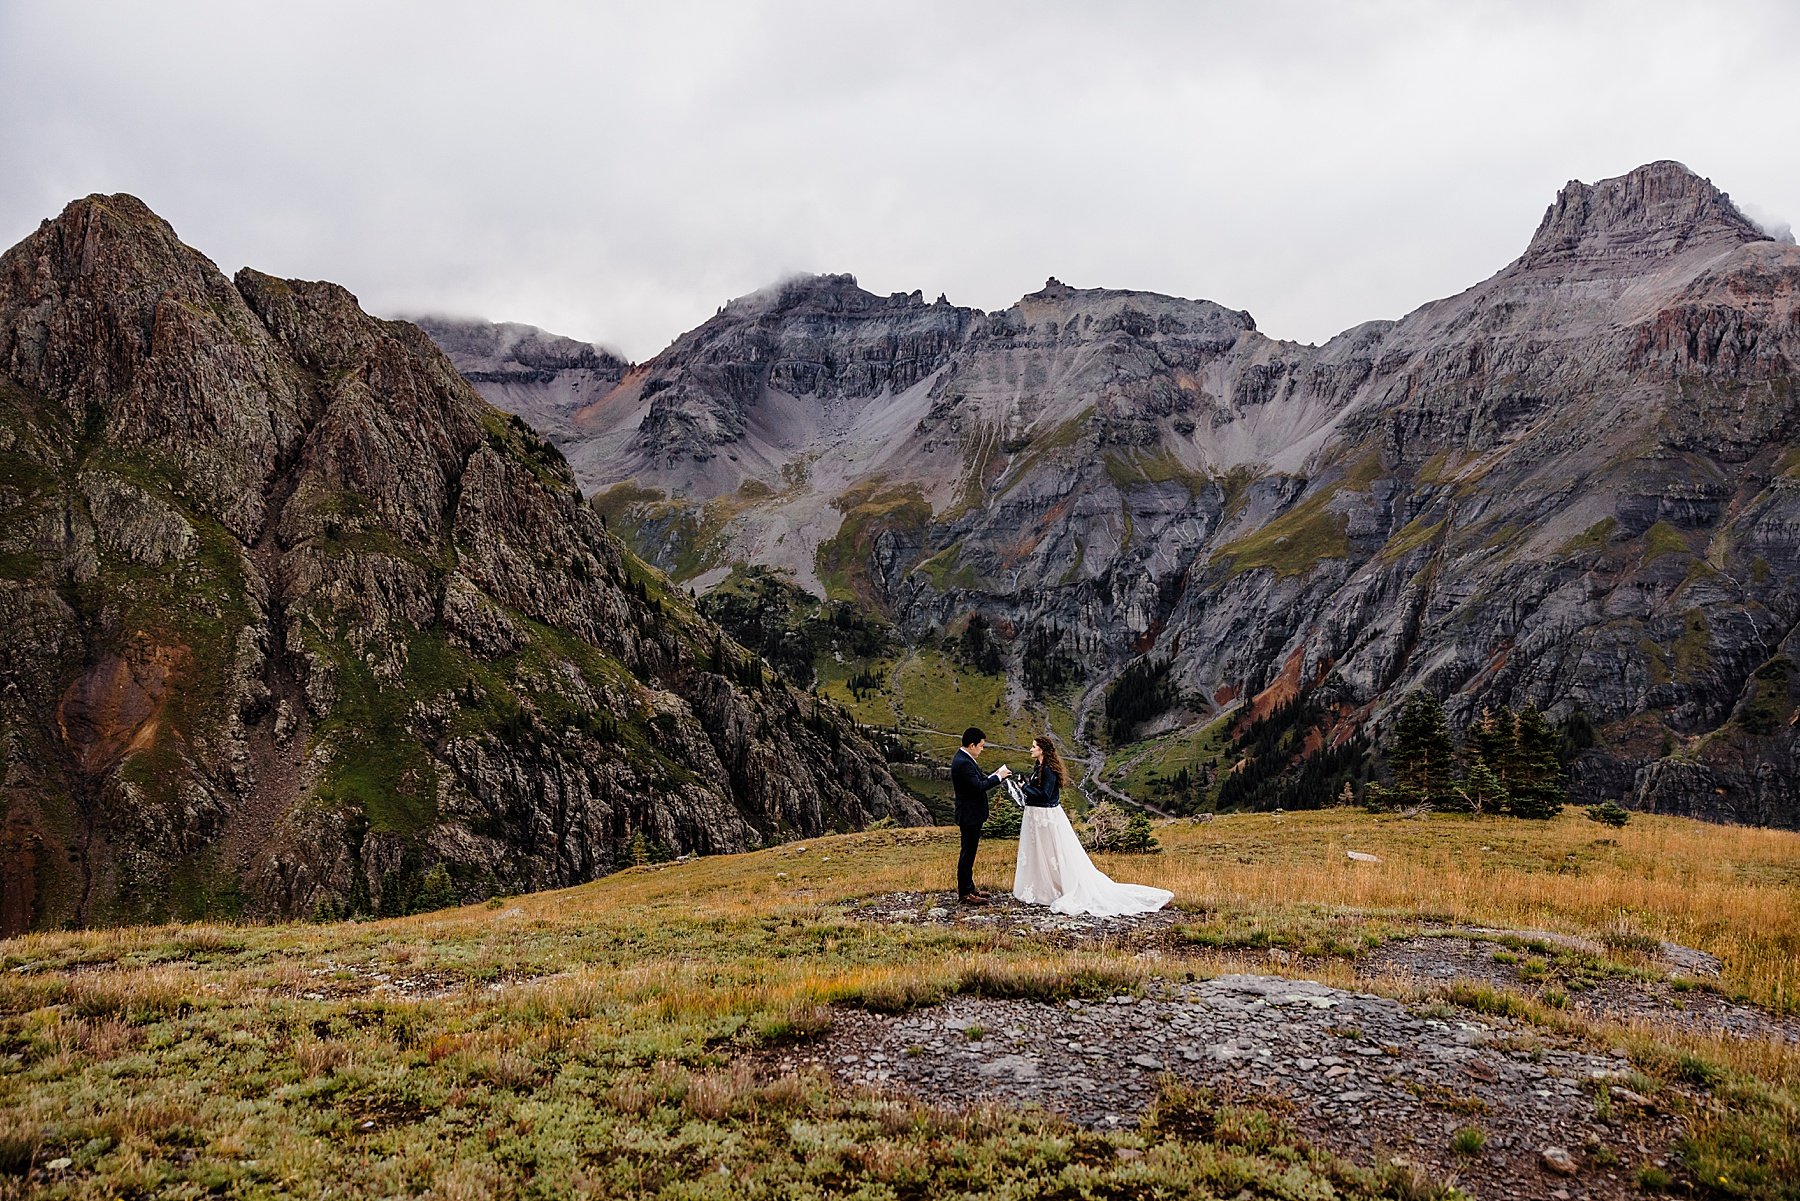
84 239
104 301
816 336
1101 313
507 348
1662 208
827 293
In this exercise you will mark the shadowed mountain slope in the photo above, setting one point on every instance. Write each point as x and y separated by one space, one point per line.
293 616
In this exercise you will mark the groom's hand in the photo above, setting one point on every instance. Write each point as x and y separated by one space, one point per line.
1004 771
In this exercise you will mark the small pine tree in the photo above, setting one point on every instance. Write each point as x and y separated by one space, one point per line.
1493 740
1609 813
1486 755
639 850
1004 821
1137 838
436 892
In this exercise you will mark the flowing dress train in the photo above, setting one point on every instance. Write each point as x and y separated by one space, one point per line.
1054 870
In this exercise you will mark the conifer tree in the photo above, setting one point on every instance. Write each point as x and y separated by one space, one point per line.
1490 754
1539 790
1421 753
437 891
1482 789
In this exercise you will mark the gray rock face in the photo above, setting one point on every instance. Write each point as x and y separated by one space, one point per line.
291 615
544 378
1572 484
744 395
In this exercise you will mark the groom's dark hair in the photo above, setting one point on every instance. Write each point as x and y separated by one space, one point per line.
973 735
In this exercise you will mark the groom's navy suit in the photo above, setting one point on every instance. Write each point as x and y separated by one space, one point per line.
972 786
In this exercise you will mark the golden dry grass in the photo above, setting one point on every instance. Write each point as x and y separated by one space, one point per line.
585 1014
1731 891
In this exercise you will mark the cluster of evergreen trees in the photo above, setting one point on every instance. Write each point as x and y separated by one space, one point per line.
1187 791
1508 762
979 648
1141 692
784 625
747 674
1045 668
1266 774
866 681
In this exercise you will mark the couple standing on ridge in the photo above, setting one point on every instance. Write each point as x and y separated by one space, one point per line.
1053 867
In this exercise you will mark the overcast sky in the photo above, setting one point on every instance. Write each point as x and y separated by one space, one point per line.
616 172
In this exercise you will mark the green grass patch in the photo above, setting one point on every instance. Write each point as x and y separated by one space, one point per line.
1693 653
1416 533
1152 769
939 693
1138 470
1770 704
1048 445
1594 539
1294 543
1663 539
946 571
869 510
1506 535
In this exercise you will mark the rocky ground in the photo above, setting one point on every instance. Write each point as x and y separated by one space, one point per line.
1507 1108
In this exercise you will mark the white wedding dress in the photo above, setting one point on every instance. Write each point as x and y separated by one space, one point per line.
1054 869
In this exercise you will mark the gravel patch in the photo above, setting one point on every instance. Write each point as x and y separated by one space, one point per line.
1441 959
1364 1075
1360 1074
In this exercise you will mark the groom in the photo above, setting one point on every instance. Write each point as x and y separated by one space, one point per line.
972 786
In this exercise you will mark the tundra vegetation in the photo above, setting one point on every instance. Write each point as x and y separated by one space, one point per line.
604 1040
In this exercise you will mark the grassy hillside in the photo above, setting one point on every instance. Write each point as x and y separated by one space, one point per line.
603 1040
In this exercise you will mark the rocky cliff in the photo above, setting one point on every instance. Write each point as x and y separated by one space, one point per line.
292 617
1574 484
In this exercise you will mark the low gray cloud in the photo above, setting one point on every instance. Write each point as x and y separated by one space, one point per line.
616 172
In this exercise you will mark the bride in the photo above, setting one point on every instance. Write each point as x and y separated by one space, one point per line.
1054 868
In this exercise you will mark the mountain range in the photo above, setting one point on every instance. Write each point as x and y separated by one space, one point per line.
1574 485
295 623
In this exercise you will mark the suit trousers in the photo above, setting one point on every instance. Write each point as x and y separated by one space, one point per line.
965 862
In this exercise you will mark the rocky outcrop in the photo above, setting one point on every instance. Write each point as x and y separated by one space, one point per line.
293 616
544 378
1572 484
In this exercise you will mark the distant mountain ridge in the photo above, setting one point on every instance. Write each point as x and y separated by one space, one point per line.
541 377
1573 484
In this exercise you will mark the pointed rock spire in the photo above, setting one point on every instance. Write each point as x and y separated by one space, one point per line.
1661 208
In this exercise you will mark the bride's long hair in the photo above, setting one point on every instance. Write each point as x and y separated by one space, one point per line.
1052 760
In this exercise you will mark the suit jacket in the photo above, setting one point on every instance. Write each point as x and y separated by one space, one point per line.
1043 789
972 787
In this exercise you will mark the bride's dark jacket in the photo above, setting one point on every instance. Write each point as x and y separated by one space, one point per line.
1043 788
